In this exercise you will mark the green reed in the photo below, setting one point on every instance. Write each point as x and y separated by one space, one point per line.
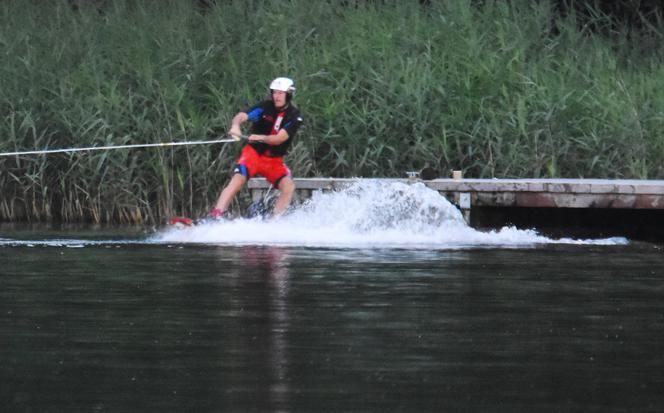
502 89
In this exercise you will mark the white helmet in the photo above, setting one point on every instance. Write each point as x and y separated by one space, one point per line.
283 84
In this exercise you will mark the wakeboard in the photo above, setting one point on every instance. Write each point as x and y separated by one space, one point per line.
261 208
181 221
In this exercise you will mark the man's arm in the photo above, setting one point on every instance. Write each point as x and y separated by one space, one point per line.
237 121
277 139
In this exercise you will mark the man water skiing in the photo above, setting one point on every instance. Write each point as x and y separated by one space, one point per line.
274 124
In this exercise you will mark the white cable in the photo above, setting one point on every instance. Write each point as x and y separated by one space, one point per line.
103 148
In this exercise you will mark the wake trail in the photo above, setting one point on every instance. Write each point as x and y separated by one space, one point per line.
368 214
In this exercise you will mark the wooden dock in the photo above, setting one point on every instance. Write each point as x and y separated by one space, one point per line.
588 206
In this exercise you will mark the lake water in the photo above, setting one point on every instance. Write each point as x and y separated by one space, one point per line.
348 304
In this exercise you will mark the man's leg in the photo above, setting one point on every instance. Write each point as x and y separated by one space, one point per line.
227 195
286 189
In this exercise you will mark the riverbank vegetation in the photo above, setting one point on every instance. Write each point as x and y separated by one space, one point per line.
498 89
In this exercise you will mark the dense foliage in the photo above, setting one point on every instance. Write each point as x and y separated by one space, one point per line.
498 89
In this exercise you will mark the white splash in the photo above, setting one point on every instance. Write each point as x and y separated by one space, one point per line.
368 214
65 243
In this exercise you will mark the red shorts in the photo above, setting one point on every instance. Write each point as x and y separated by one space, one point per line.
252 163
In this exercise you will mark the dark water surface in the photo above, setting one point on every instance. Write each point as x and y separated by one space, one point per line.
147 327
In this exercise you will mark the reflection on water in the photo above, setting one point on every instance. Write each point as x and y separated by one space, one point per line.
124 327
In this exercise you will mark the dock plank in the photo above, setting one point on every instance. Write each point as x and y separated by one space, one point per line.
533 193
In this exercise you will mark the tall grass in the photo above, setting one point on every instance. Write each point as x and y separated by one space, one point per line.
501 89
